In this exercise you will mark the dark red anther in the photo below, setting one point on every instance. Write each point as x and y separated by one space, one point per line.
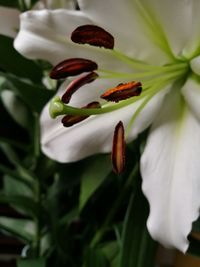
76 84
123 91
93 35
70 120
118 149
72 67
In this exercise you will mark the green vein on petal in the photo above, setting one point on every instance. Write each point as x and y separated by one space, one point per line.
154 28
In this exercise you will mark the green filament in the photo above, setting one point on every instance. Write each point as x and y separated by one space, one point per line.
57 107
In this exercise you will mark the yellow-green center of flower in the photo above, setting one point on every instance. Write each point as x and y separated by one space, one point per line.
152 78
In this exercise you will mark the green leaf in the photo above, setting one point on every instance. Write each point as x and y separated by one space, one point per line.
14 159
16 108
97 168
14 175
20 228
95 258
15 143
9 3
41 262
13 186
26 204
10 153
12 61
34 96
194 247
196 225
111 251
138 249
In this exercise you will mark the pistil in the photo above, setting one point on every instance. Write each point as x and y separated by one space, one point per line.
70 120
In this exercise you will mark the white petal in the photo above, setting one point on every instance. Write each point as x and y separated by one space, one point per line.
195 65
122 20
171 173
175 19
191 93
45 34
127 23
9 21
193 42
93 135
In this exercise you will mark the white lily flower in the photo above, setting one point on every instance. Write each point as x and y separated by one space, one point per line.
156 43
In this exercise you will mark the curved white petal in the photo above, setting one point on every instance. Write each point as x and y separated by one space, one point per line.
121 19
132 19
45 34
9 21
171 173
94 135
175 19
191 93
193 42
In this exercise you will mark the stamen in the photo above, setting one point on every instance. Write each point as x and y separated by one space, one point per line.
70 120
123 91
118 149
72 67
76 84
93 35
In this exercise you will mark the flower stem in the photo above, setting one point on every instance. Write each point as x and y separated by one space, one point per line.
129 183
38 219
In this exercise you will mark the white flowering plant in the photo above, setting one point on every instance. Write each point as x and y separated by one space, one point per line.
100 140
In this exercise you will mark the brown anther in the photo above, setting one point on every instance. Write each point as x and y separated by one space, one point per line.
93 35
123 91
76 84
72 67
118 149
70 120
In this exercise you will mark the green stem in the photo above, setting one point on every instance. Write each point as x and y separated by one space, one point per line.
22 5
36 136
38 219
38 193
129 182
